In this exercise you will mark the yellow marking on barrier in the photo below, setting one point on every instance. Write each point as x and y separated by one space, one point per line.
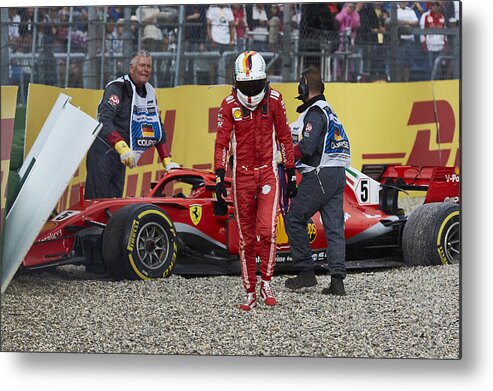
396 99
8 101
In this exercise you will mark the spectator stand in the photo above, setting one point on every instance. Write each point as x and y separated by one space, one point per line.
88 46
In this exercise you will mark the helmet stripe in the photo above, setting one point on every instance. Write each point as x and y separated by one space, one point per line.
247 63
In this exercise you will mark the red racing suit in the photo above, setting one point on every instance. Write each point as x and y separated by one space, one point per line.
255 137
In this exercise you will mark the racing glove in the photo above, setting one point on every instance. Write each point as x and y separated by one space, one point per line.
168 164
127 156
292 188
220 186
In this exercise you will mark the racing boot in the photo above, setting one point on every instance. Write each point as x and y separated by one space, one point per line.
250 301
266 294
336 287
302 280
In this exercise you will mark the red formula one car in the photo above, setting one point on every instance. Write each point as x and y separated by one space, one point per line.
178 227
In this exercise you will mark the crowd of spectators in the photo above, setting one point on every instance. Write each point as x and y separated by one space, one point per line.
361 31
52 26
357 30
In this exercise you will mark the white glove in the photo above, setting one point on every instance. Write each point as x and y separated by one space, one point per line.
278 157
171 166
129 159
168 164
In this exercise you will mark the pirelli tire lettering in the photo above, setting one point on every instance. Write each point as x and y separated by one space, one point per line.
139 243
432 235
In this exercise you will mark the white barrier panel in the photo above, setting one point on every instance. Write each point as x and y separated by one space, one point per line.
55 112
46 173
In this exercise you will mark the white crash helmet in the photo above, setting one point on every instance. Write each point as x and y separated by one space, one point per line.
250 79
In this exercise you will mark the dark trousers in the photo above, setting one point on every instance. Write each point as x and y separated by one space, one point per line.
328 201
105 173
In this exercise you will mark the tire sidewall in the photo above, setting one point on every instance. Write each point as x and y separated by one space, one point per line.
449 217
119 250
136 223
425 232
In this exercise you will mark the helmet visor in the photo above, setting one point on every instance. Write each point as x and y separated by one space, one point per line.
251 87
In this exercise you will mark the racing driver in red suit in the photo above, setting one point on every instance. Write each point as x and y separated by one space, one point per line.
252 119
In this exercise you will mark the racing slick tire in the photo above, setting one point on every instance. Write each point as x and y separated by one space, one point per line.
139 243
432 235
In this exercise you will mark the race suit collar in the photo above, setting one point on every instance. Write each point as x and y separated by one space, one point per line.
141 91
310 102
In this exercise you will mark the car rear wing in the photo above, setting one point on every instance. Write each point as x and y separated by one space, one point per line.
441 184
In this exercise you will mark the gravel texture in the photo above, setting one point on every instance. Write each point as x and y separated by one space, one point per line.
407 312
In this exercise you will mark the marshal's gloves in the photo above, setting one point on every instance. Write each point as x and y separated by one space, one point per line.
292 188
220 186
168 164
127 156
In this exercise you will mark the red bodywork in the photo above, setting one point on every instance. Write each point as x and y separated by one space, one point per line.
442 184
56 243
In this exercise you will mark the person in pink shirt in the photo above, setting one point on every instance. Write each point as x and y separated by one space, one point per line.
349 23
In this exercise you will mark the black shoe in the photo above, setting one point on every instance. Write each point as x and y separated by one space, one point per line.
302 280
336 287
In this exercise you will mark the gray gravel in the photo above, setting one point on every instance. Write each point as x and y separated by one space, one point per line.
404 312
410 312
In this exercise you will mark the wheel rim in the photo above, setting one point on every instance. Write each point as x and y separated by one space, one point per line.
152 245
452 243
